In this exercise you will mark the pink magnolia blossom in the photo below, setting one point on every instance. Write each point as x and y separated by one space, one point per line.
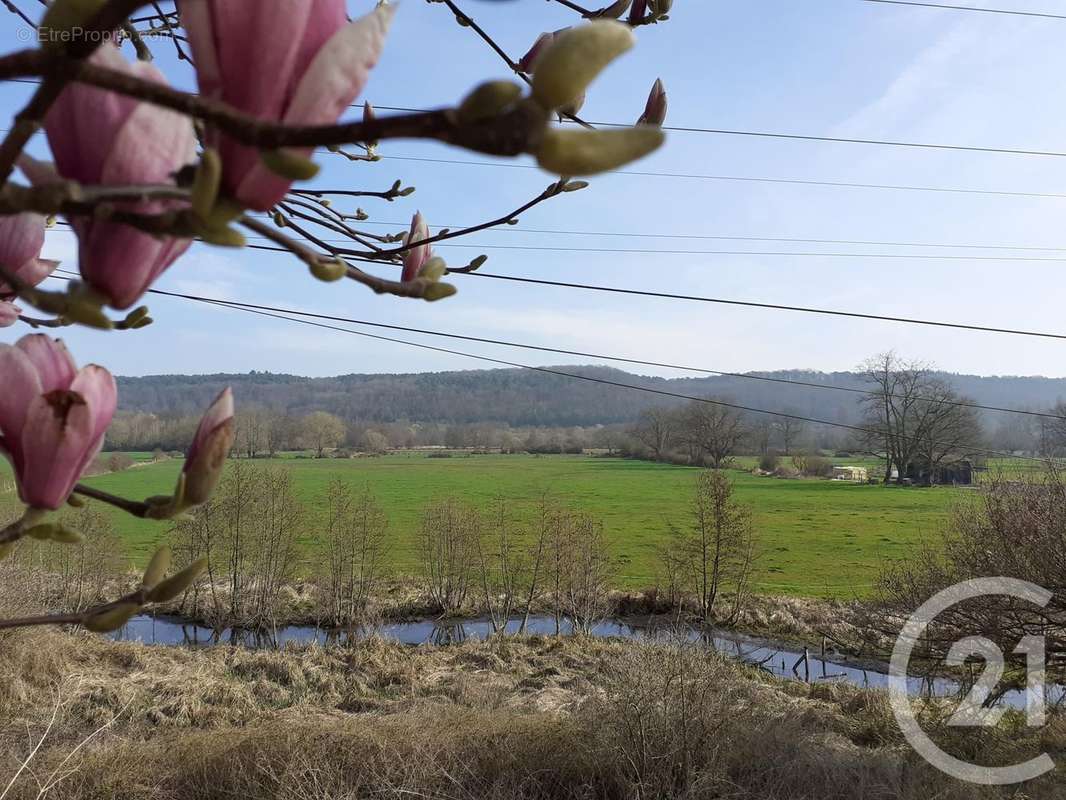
21 240
103 138
53 417
9 313
416 257
655 108
208 451
294 61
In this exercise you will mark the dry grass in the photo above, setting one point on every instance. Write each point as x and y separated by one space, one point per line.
537 718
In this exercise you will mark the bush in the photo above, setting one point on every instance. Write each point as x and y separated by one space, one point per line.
768 461
439 454
812 466
116 462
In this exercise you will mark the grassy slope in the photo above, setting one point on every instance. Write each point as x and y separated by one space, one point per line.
819 538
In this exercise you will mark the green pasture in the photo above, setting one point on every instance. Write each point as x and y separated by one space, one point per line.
817 537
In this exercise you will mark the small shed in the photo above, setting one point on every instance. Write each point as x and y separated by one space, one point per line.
856 474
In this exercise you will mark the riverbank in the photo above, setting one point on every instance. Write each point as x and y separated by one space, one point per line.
538 717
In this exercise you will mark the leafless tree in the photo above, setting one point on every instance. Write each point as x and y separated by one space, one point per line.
915 416
353 536
585 570
789 430
502 566
248 535
448 545
715 553
655 430
711 433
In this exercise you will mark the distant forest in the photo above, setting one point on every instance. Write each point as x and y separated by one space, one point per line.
519 397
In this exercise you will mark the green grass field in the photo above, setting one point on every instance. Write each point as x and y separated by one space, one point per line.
818 538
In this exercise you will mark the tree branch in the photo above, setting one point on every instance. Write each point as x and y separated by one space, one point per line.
516 131
134 507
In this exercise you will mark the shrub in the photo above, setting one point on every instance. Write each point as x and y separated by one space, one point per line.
768 461
116 462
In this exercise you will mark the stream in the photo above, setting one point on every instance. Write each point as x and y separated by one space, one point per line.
770 656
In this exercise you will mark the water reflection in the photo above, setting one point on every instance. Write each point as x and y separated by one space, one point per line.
784 663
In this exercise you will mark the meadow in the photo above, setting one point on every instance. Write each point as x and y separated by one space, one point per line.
818 538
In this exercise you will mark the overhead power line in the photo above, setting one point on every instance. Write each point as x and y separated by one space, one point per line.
803 137
255 309
769 306
747 179
970 8
720 300
601 381
720 237
582 354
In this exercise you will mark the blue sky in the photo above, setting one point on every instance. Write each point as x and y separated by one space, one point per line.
826 67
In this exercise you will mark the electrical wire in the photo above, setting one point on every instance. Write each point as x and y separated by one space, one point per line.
969 8
582 354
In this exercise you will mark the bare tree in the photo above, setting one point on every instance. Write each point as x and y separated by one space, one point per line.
448 544
248 535
716 551
711 433
916 417
789 430
655 430
322 431
353 534
501 564
585 570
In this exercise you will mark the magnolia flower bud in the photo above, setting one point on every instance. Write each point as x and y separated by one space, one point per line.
111 619
206 183
328 271
438 291
655 108
157 567
575 58
488 100
177 583
585 152
433 270
289 164
207 454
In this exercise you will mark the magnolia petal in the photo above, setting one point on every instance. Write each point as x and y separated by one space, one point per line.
21 386
333 80
588 152
123 262
199 29
21 240
97 386
81 124
55 441
9 314
149 147
340 70
36 270
50 358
